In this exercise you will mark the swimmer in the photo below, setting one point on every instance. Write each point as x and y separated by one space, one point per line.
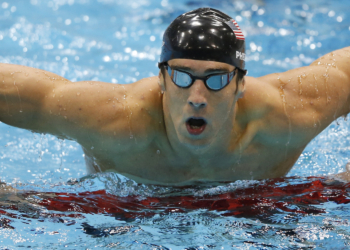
200 120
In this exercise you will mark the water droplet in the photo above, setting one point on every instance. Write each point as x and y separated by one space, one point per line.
92 147
158 152
78 94
131 136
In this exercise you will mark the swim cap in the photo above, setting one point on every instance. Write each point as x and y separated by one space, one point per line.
204 34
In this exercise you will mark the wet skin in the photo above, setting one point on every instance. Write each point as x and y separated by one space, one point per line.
141 130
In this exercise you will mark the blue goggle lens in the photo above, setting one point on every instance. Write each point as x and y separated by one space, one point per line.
217 82
213 82
181 79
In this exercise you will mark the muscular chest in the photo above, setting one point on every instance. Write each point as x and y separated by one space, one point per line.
158 166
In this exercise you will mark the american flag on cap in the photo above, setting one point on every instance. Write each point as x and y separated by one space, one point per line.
236 29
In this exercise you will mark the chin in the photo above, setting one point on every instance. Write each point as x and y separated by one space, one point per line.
196 146
197 149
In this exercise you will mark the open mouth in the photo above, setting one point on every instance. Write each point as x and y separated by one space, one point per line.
195 126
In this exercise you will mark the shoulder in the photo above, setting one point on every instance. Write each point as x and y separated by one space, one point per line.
143 109
269 107
117 117
147 90
260 98
146 95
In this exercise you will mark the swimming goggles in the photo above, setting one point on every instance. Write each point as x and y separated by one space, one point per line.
213 82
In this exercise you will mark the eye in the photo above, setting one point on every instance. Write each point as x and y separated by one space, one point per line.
180 79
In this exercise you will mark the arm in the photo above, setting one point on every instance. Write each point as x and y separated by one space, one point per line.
315 95
92 113
334 69
22 95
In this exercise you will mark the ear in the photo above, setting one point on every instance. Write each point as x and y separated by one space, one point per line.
240 89
239 93
161 80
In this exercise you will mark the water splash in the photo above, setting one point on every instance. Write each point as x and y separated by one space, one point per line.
283 97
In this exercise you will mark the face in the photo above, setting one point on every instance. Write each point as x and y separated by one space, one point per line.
196 116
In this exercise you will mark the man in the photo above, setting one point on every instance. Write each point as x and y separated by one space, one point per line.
200 120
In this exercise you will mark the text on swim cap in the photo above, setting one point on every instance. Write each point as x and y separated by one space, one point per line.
240 55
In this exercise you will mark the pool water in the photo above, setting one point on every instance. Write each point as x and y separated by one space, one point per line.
56 205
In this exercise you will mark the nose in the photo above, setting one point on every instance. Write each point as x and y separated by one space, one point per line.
197 105
197 99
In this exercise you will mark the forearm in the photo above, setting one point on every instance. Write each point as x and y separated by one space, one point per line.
22 93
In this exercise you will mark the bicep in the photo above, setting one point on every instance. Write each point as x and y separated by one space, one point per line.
72 110
22 92
312 96
320 88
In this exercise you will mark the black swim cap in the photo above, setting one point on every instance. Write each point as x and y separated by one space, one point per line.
204 34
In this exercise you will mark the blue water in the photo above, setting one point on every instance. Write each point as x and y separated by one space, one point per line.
119 41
